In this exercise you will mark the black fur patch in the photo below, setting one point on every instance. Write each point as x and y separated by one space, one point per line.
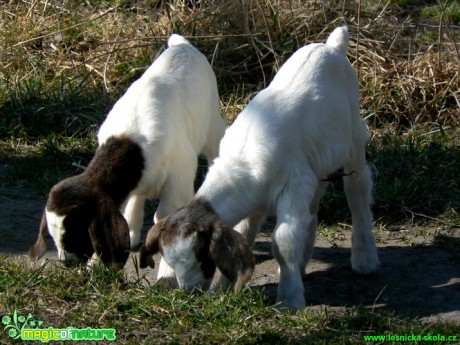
76 238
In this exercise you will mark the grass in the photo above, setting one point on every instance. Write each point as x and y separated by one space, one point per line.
41 165
101 298
63 65
58 108
415 175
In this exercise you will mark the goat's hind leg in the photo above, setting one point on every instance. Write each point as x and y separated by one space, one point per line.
358 188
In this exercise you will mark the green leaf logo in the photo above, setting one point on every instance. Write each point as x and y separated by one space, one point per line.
14 324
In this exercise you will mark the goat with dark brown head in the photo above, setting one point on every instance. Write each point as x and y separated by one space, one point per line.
148 148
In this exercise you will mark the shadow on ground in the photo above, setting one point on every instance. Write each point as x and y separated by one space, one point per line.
421 280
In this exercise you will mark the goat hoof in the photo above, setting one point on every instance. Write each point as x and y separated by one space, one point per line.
365 262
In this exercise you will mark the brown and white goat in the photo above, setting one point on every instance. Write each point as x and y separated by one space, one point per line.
214 244
148 147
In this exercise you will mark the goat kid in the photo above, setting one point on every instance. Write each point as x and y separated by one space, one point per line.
305 125
148 147
214 244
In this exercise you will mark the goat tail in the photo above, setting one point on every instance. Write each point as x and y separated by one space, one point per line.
176 39
339 39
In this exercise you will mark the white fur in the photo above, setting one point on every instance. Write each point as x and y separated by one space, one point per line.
56 229
180 254
305 125
172 113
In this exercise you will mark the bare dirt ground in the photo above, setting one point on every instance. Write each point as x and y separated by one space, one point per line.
417 277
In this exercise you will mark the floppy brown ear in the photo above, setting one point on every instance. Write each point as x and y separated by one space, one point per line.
232 255
151 245
38 249
109 234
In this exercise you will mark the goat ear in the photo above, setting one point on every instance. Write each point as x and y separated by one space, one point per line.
38 249
151 246
109 234
232 255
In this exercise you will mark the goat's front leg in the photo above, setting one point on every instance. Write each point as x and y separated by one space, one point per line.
250 227
293 241
134 215
176 192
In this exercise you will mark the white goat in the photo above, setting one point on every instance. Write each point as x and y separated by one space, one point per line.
305 125
148 147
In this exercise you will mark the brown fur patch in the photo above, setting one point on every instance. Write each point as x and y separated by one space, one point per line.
152 245
232 254
38 249
117 167
90 203
216 243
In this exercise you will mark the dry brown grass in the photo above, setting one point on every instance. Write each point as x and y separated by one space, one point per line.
406 78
